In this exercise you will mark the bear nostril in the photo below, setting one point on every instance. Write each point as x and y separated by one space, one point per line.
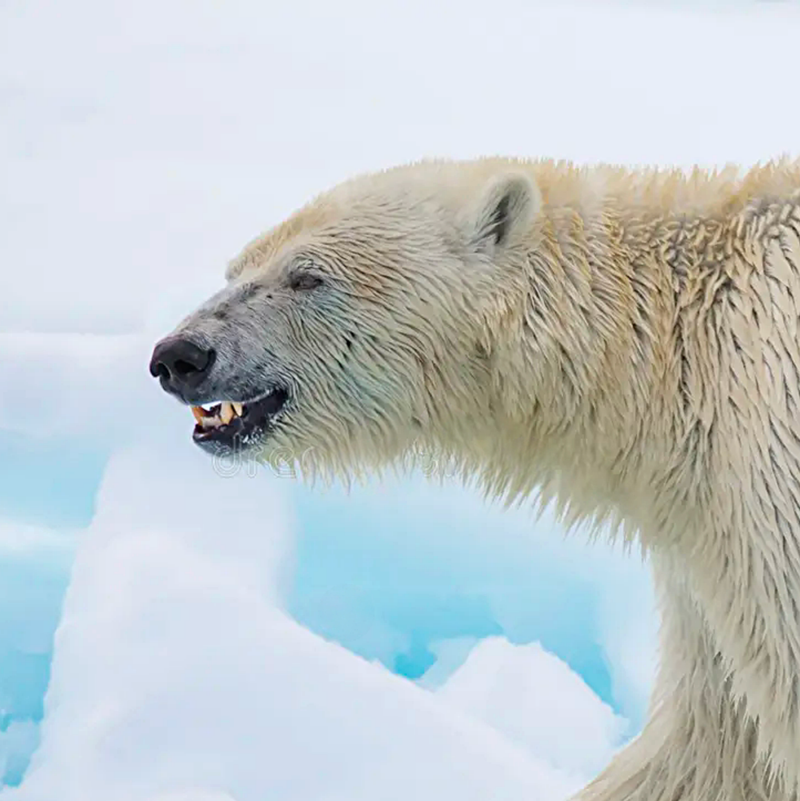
160 371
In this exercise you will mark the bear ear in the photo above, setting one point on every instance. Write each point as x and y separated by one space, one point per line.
507 207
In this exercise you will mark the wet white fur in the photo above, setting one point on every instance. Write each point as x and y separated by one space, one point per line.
626 344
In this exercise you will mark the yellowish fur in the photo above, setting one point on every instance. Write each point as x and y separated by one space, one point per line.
629 350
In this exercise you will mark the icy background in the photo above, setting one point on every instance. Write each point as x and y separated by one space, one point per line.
170 633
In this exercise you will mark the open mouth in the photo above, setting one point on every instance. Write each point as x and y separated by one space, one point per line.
231 424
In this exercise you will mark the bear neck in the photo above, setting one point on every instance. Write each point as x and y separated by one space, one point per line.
589 368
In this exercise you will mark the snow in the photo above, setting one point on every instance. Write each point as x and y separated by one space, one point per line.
503 685
212 638
176 668
34 565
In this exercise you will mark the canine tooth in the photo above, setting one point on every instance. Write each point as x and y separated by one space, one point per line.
197 411
238 408
211 422
226 412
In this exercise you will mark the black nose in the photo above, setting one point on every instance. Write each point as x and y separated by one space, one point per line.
180 363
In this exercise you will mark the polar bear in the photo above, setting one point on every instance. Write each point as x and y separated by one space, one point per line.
621 341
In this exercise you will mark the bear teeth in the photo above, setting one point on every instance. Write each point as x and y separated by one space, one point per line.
219 414
226 412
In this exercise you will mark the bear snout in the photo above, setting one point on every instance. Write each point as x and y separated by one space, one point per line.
180 364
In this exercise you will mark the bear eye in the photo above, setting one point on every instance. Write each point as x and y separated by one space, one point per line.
302 281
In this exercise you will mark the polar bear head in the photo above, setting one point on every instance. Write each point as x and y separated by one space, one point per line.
362 326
